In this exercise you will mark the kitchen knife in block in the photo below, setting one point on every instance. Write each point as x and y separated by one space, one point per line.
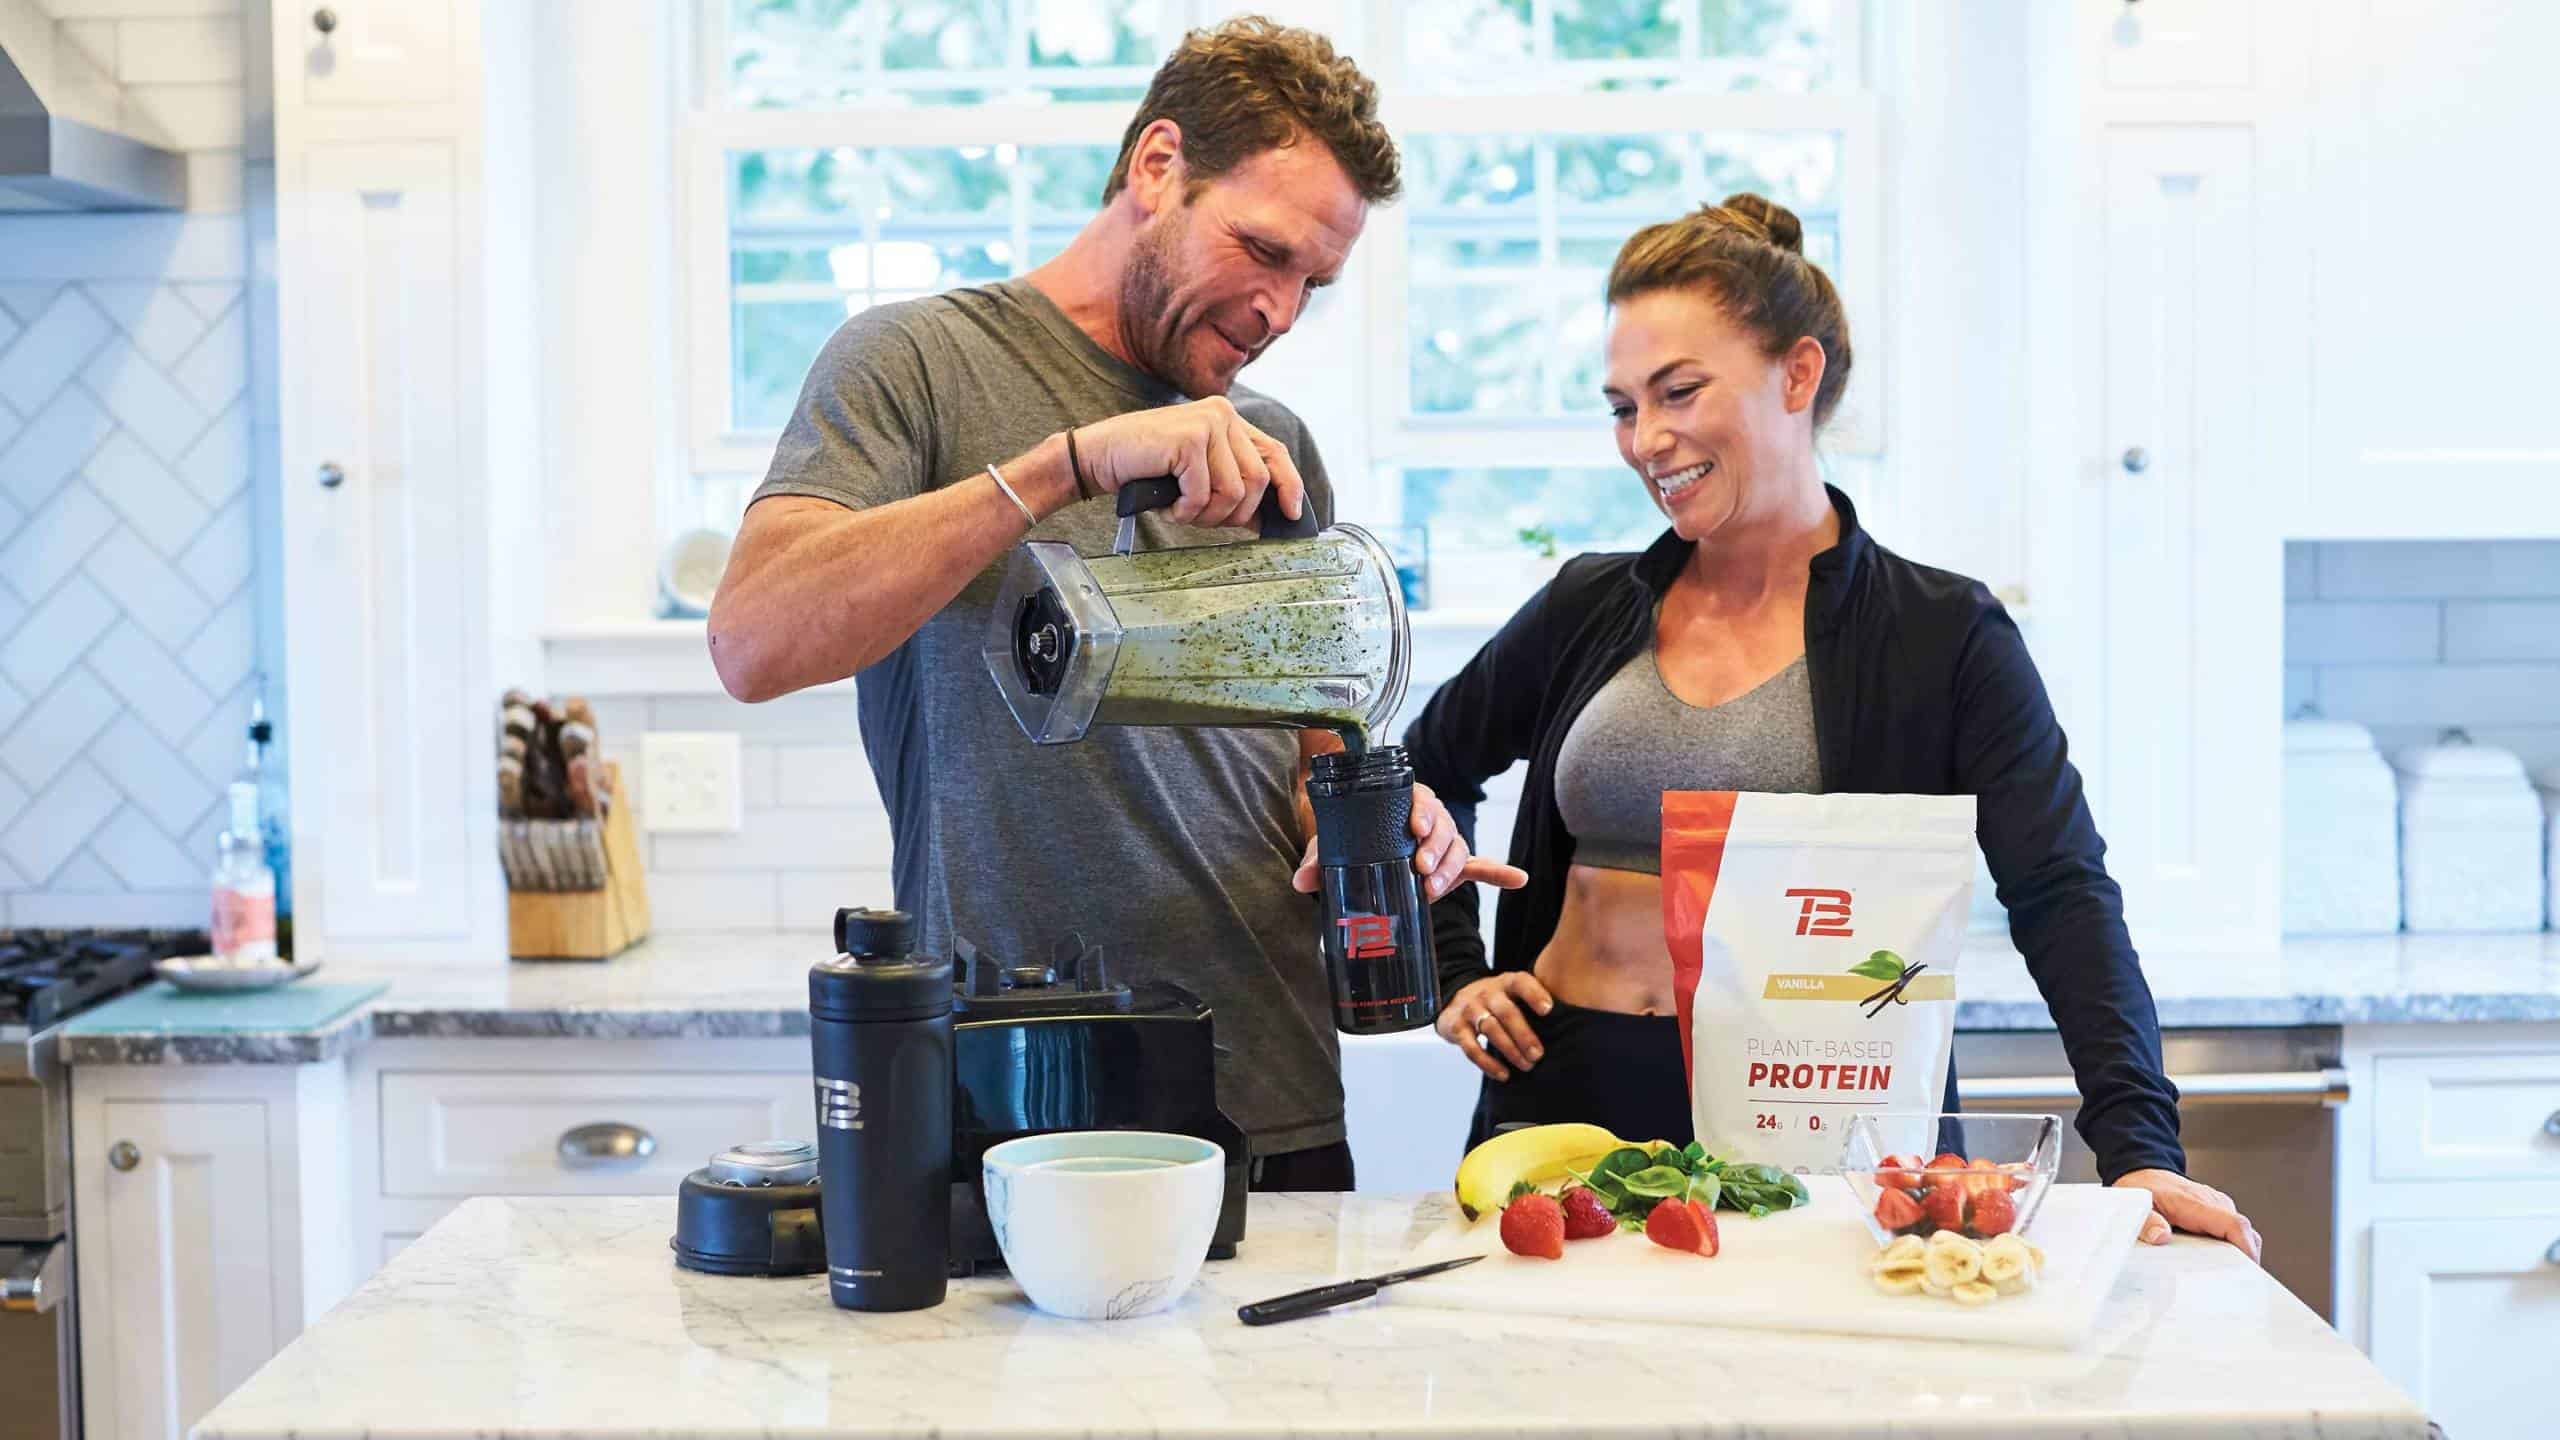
591 924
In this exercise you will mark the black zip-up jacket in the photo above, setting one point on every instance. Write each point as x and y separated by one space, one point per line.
1921 685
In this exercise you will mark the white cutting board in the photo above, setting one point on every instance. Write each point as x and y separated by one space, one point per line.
1801 1269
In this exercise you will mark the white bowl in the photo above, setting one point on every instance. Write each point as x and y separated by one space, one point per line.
1105 1224
204 973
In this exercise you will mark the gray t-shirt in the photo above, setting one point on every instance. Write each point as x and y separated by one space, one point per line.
1170 847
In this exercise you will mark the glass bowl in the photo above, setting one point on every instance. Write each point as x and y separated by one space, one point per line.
1980 1175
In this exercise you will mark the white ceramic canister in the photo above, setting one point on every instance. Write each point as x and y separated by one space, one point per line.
2341 832
2470 838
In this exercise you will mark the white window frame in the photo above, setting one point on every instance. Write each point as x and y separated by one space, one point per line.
708 131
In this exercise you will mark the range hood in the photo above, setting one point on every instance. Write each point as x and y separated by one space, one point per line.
50 161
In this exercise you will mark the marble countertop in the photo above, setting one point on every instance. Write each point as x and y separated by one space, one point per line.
757 985
532 1318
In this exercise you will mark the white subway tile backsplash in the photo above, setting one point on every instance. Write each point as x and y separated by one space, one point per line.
153 777
56 727
218 559
2467 695
755 776
151 500
51 826
775 839
221 739
682 902
62 907
2504 630
810 898
224 651
210 298
203 50
153 595
187 117
13 706
2449 569
51 543
823 775
2362 632
161 324
9 328
142 857
95 40
2301 687
57 441
26 300
56 634
153 685
2301 570
216 371
51 350
144 400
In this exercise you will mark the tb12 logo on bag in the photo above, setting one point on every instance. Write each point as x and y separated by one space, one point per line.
1822 912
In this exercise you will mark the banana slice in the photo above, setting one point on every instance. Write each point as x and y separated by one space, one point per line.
2001 1262
1952 1267
1930 1285
1905 1250
1903 1280
1974 1292
2015 1285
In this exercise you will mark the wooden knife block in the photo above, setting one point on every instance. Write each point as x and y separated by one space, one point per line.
588 924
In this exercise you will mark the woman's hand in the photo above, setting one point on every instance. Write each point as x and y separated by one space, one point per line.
1494 1012
1440 855
2179 1202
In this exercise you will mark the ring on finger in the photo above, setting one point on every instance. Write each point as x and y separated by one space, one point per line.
1483 1018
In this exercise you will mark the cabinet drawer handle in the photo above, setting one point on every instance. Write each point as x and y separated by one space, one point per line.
591 1147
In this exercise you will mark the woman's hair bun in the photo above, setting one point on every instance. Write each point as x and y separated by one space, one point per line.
1763 218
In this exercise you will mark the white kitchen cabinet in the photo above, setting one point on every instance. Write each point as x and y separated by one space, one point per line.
401 445
2430 262
195 1192
2449 1217
2465 1313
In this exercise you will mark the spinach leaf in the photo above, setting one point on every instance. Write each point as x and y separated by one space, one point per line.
1625 1160
1694 1154
1660 1182
1706 1190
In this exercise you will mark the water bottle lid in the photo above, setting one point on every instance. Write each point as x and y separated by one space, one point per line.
866 931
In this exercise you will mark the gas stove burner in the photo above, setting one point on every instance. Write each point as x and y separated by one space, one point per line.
49 975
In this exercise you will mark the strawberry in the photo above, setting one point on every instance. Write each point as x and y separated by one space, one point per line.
1984 1178
1947 1160
1678 1224
2020 1173
1899 1172
1994 1214
1897 1211
1944 1205
1534 1225
1586 1217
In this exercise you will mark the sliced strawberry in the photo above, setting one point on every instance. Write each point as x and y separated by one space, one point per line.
1984 1177
1586 1216
1678 1224
1534 1225
1993 1214
1897 1211
1947 1160
1899 1172
1944 1206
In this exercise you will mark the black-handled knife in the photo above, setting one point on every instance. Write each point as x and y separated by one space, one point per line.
1325 1297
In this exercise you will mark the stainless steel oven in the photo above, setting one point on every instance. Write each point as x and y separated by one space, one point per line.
2258 1111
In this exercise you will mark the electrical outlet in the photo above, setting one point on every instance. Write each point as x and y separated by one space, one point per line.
689 782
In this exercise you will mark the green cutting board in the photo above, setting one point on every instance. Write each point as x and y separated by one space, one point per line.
162 1008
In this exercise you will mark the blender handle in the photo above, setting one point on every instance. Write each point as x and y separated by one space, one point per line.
1139 496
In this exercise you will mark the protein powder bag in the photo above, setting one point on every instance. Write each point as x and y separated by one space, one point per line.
1813 957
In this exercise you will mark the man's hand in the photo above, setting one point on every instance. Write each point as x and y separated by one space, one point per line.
1223 462
1440 854
2179 1202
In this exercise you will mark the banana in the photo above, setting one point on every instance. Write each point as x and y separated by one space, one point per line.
1974 1292
1905 1250
1538 1154
1950 1266
1901 1279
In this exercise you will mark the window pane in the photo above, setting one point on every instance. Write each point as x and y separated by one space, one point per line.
1476 46
1485 538
801 54
1476 349
1066 181
773 345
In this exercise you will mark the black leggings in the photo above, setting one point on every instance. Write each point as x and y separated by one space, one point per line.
1619 1071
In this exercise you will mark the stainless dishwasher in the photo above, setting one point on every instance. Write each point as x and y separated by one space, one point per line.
2257 1109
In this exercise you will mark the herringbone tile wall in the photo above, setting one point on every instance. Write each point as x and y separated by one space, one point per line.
129 636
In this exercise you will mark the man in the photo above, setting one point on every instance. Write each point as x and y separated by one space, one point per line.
931 436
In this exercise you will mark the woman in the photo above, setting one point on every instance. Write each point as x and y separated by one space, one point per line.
1764 643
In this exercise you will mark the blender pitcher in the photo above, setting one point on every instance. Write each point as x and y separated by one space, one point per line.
1299 629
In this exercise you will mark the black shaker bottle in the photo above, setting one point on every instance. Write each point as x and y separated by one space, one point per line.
880 1043
1373 922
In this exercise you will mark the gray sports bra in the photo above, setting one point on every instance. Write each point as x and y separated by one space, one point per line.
1636 739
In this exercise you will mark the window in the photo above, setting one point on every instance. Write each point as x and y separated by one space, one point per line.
844 153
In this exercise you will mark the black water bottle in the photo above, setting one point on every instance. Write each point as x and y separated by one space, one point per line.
1373 922
880 1043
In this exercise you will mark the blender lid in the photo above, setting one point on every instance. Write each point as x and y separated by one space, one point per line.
766 1162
